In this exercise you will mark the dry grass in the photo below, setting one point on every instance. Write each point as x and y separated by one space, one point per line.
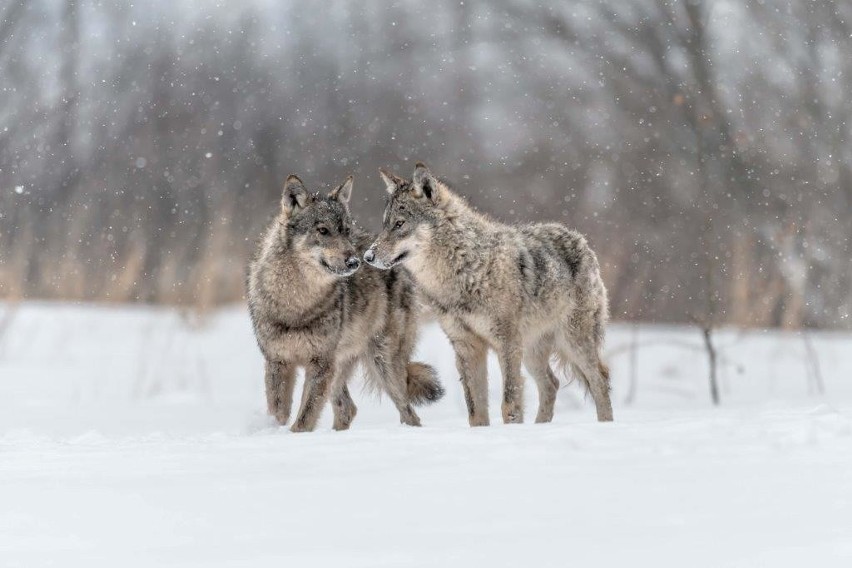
211 273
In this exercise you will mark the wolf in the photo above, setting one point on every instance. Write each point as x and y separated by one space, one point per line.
528 292
312 307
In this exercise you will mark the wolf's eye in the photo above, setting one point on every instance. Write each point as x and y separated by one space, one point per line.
322 230
398 224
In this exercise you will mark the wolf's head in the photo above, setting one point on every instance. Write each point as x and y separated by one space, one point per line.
317 227
413 209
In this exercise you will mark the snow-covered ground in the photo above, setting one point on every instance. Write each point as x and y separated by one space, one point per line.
130 437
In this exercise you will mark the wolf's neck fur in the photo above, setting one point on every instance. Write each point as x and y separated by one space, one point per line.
460 213
457 242
299 290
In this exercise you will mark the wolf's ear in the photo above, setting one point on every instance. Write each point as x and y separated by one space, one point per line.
343 192
295 195
427 185
392 181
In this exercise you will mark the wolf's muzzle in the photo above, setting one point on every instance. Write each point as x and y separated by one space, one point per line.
370 255
352 263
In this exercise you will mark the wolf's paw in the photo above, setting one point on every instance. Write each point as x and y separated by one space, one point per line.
298 427
344 414
543 417
409 419
512 414
281 417
477 421
343 422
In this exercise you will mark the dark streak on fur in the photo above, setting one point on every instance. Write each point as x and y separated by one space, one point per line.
390 281
406 298
525 268
573 261
540 264
571 251
468 398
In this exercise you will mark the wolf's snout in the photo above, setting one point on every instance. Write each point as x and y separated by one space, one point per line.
370 255
352 263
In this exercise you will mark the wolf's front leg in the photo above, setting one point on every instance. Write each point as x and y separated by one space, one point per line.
280 378
510 355
319 374
472 364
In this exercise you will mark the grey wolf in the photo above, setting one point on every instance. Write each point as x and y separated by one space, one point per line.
528 292
312 307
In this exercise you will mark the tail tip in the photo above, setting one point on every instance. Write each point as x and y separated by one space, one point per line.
423 385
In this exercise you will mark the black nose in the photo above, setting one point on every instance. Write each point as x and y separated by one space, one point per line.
369 256
352 262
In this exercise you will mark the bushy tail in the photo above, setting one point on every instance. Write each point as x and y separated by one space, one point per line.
423 384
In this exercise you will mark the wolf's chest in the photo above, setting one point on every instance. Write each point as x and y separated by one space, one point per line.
304 341
448 301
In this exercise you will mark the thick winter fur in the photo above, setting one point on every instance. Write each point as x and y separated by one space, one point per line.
312 307
528 292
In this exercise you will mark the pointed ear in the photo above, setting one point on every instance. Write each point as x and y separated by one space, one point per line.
295 195
392 181
343 192
427 185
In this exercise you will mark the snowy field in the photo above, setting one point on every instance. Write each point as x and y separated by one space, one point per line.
129 437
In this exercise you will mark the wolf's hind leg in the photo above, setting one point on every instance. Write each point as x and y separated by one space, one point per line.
341 401
280 379
598 377
537 362
585 355
318 377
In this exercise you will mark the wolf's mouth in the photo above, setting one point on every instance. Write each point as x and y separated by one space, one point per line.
398 259
337 272
381 265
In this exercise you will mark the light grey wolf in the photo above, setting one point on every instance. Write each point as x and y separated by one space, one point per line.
529 292
312 307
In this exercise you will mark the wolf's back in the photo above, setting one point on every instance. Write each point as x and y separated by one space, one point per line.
568 245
